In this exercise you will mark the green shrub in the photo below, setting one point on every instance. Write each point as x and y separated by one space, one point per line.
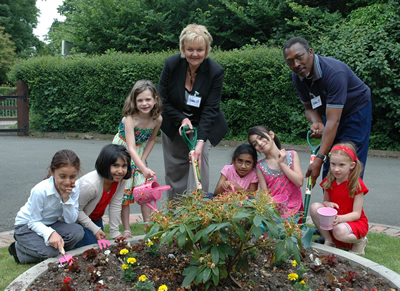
369 42
258 90
83 93
6 90
224 233
86 93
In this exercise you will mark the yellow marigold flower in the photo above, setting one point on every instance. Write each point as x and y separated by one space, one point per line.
131 260
302 282
123 252
294 263
156 237
144 278
293 276
163 288
125 266
150 243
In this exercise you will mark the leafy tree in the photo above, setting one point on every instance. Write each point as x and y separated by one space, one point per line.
99 25
19 18
152 25
369 42
7 55
305 21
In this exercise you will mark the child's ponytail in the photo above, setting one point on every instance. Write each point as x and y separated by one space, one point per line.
354 183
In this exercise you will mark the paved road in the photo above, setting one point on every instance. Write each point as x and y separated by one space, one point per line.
24 160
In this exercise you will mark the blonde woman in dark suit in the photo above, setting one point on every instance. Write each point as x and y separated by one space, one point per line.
190 87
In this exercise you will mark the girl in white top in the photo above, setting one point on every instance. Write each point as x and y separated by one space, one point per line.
101 188
45 226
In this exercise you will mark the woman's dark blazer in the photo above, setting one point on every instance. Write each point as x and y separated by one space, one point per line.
212 125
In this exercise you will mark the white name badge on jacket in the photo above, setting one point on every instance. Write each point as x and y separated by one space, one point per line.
194 100
315 101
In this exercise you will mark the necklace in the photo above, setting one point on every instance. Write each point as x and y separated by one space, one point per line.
191 76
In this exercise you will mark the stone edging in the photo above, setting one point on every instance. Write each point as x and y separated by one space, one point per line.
380 271
24 280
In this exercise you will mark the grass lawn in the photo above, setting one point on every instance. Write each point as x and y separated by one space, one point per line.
381 248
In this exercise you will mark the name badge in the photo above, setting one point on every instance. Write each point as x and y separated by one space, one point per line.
194 100
316 101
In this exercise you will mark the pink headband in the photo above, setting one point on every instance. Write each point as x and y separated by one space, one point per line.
348 151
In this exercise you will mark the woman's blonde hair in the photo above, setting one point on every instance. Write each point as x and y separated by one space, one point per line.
198 33
355 173
130 102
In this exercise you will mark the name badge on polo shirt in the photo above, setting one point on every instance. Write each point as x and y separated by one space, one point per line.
315 101
194 100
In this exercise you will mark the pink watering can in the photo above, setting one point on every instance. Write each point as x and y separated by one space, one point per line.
149 192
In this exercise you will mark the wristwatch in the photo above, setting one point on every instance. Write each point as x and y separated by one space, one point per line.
322 157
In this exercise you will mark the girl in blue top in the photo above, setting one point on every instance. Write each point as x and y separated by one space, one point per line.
45 226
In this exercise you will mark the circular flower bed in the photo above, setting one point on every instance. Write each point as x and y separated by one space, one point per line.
146 266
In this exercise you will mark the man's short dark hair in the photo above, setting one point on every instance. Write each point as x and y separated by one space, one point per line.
108 156
295 40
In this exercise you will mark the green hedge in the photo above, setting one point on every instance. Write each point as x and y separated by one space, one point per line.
83 93
86 94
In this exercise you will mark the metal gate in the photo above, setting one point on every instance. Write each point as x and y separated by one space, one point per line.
8 108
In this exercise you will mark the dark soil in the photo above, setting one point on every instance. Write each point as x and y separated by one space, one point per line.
167 268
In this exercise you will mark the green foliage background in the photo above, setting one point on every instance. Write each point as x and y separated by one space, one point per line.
86 92
369 42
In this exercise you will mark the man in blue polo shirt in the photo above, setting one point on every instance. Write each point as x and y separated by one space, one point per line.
336 101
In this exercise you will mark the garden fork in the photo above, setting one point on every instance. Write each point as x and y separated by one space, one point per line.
103 243
65 258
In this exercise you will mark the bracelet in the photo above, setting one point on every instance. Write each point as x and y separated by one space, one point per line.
127 231
200 140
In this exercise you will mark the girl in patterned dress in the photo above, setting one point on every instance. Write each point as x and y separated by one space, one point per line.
280 171
137 132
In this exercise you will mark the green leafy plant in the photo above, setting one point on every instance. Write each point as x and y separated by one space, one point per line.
221 233
300 281
128 267
144 284
152 246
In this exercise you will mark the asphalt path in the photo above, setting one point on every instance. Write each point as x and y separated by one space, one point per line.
24 162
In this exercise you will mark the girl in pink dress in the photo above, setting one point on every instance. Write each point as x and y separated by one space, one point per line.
280 171
241 174
344 190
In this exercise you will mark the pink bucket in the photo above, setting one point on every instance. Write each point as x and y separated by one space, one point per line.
326 217
149 192
281 204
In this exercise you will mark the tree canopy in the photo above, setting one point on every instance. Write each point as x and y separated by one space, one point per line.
97 26
19 18
7 54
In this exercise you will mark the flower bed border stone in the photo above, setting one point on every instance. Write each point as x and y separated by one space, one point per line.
24 280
